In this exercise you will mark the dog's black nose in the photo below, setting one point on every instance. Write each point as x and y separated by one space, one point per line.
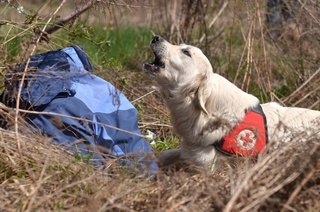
156 39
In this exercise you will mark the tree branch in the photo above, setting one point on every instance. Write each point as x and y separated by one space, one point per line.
63 21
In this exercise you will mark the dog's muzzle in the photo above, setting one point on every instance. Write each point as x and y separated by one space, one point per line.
158 51
156 39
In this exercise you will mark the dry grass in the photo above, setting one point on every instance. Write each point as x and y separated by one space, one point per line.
45 177
41 176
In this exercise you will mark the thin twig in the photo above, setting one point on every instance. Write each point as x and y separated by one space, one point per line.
302 86
266 64
41 180
215 18
24 75
77 118
315 104
298 188
141 97
56 192
145 124
312 16
60 23
306 96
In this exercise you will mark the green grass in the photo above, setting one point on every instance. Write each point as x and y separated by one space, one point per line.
168 143
10 42
123 47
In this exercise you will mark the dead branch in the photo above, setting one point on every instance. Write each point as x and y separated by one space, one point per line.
63 21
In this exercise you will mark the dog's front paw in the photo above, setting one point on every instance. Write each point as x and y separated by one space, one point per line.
169 157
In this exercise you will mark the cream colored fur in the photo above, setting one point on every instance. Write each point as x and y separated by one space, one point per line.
204 106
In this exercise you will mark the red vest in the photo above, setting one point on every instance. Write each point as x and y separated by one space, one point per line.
248 138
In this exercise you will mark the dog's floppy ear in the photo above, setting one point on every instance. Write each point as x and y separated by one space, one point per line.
202 95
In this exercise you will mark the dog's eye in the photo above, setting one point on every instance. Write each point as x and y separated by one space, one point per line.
186 52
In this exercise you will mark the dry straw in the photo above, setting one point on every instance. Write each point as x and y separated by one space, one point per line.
38 175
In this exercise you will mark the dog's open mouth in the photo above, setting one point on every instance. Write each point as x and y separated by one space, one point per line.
155 65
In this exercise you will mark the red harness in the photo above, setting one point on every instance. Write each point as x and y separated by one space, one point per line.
248 138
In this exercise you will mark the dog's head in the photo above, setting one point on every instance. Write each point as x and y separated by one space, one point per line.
175 64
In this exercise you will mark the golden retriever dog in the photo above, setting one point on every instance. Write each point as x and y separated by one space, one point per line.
210 114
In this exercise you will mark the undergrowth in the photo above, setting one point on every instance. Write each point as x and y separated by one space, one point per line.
239 46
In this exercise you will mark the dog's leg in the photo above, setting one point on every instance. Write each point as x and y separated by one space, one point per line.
168 157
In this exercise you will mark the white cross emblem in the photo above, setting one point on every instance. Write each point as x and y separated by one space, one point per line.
246 139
